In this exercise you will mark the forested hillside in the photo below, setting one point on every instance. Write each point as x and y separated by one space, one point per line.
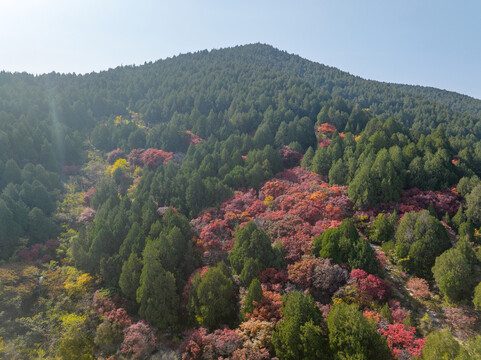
241 203
454 101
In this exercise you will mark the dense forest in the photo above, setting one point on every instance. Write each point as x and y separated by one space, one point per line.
242 203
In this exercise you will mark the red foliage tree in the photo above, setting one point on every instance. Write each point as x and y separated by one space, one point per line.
87 216
33 253
51 245
200 344
212 238
443 201
193 138
139 340
295 246
324 143
462 320
398 314
88 196
301 272
326 128
268 308
39 252
251 354
119 315
319 276
381 258
256 337
153 158
419 287
258 207
403 341
239 203
290 158
292 208
135 157
105 304
274 188
273 278
371 286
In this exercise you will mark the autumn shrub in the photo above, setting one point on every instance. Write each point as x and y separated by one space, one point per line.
152 158
371 286
402 340
87 216
326 128
290 158
398 314
135 157
42 253
320 276
200 344
256 334
273 278
419 288
462 320
139 340
268 308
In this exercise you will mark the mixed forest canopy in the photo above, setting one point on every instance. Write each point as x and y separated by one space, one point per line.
241 203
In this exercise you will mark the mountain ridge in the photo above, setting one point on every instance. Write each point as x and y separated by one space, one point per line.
424 91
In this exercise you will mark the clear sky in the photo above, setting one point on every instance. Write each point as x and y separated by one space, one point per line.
423 42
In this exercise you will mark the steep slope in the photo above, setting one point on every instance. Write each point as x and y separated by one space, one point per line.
156 175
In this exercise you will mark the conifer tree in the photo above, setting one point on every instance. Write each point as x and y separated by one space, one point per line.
156 295
130 277
352 336
299 335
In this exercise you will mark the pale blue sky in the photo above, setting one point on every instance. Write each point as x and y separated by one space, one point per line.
424 42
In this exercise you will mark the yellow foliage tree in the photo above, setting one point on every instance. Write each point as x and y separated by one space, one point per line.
119 165
268 201
74 342
77 283
72 204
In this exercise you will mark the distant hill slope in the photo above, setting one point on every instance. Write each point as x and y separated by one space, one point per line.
380 97
455 101
175 85
229 82
333 79
156 89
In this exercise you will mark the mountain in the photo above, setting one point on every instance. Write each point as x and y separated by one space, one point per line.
196 190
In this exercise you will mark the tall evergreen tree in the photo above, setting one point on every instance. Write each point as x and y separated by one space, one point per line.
156 295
